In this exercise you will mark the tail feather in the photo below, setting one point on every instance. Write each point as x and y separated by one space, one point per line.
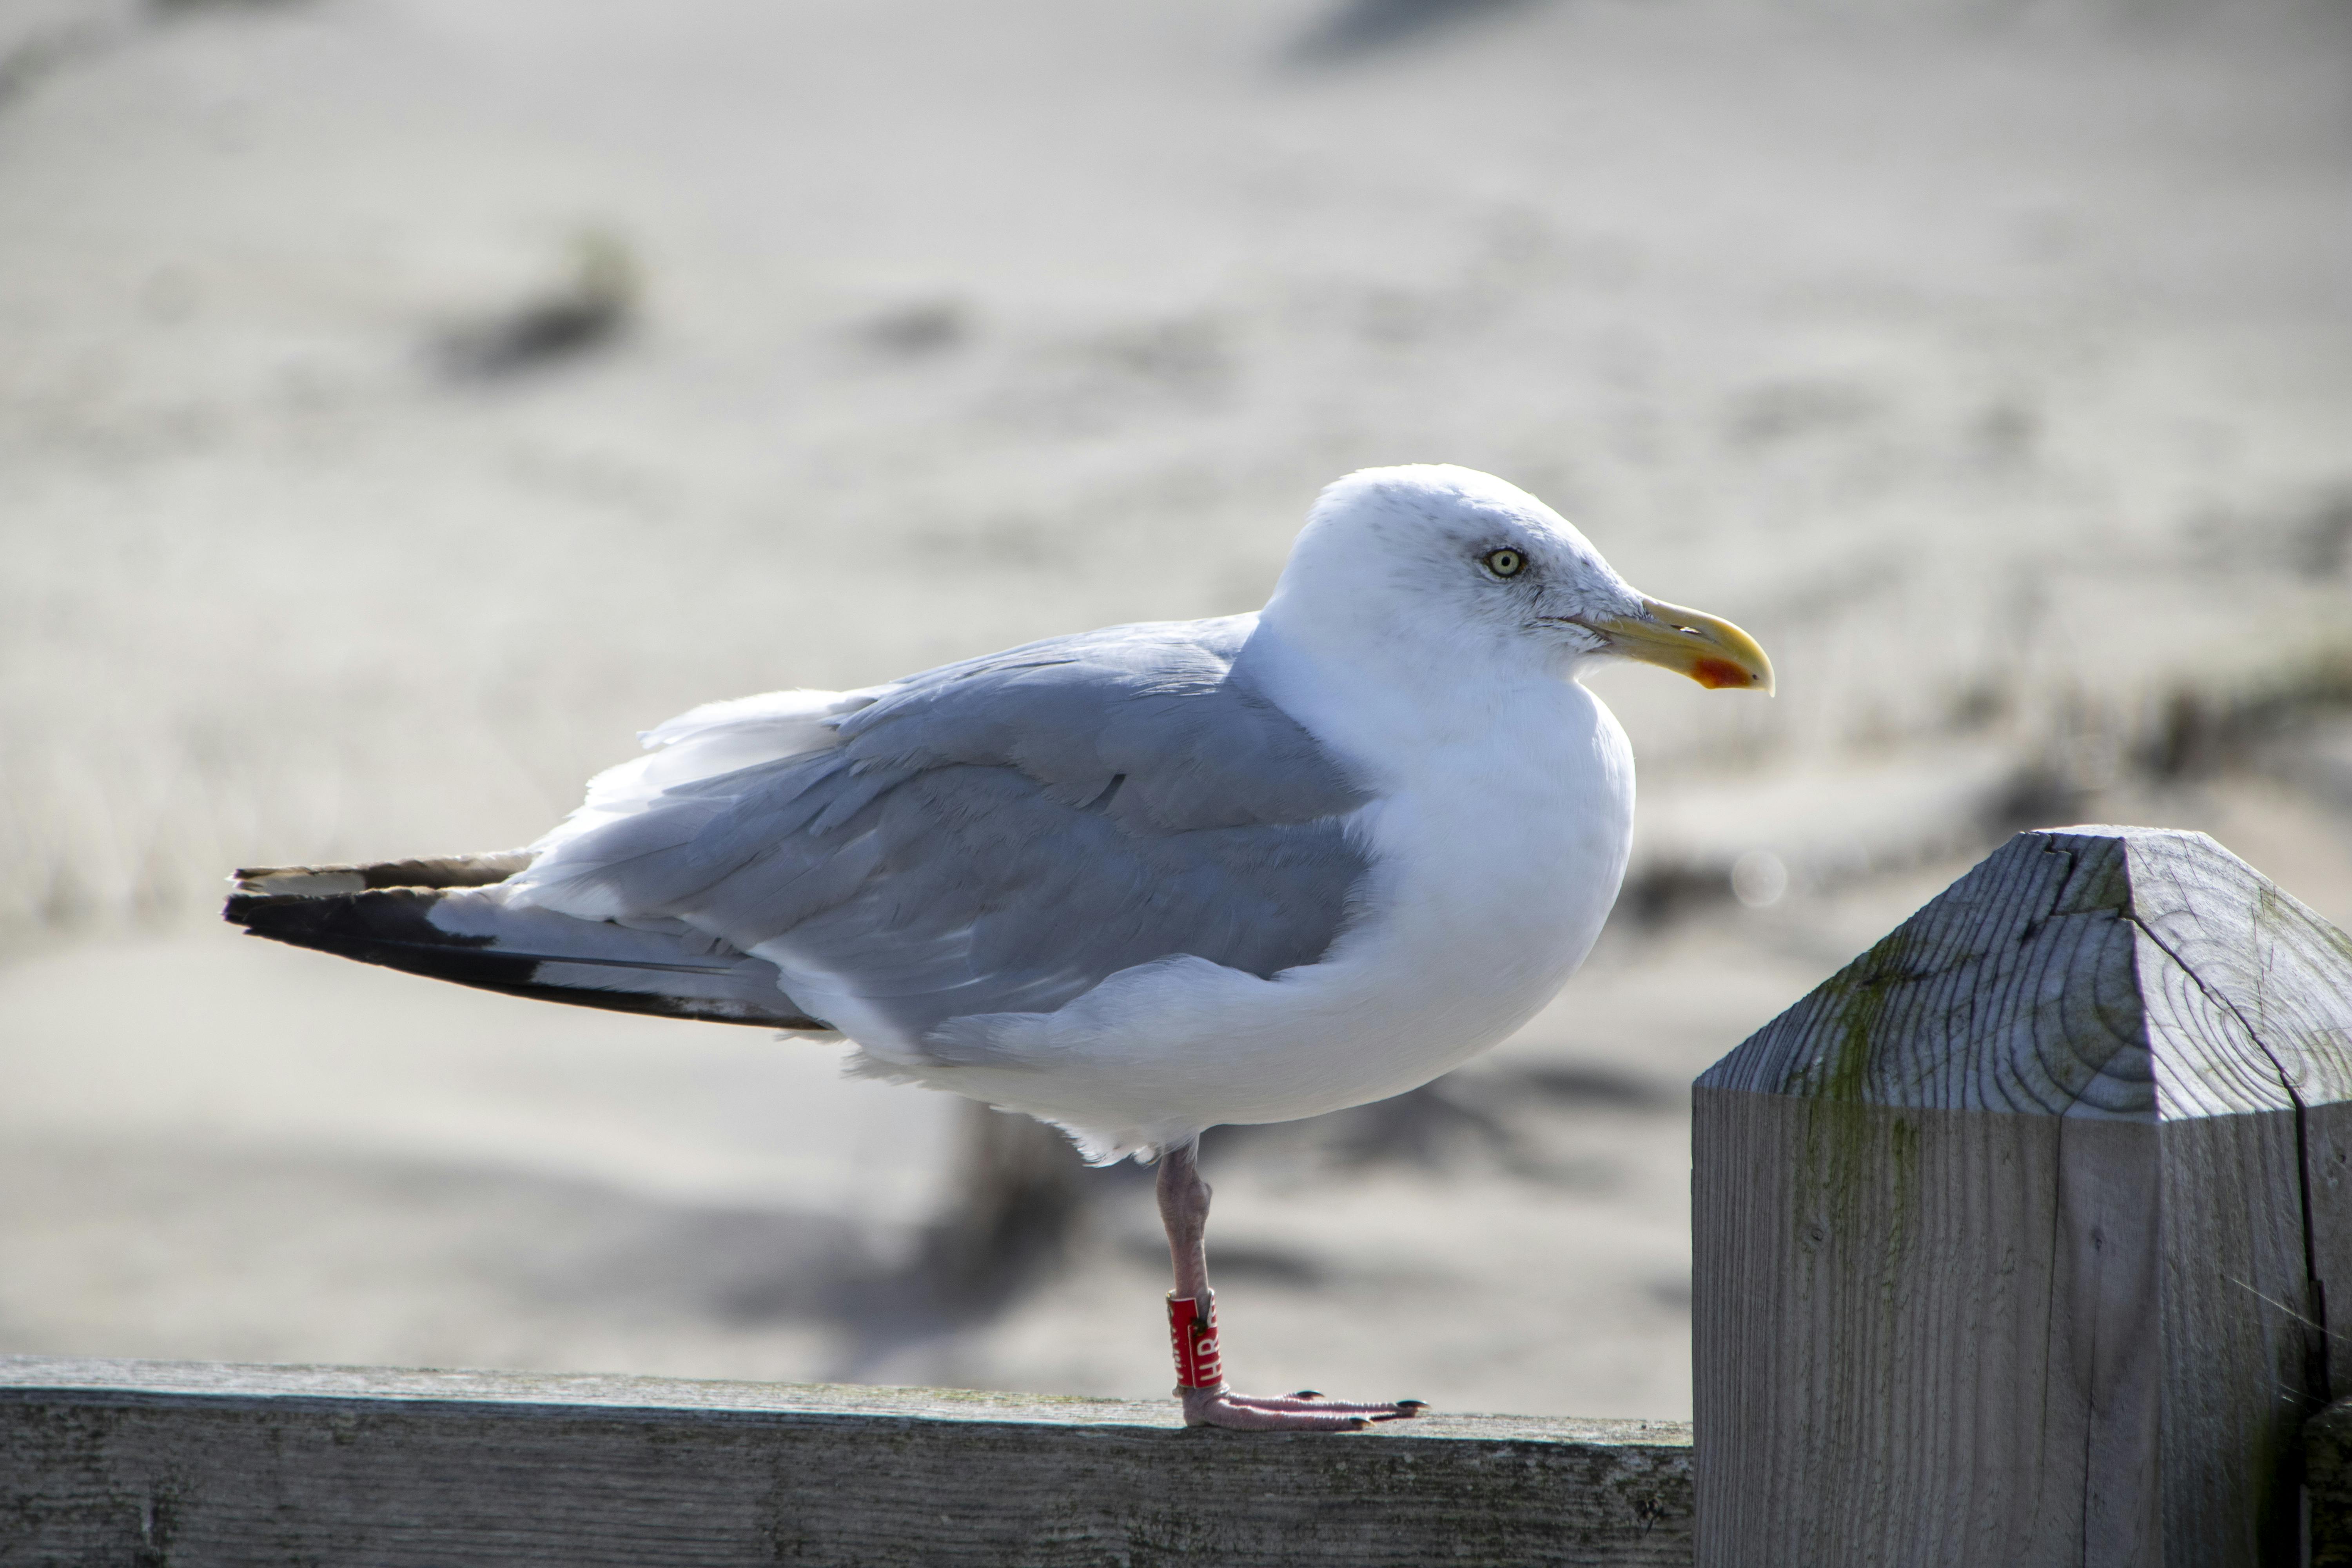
442 871
442 919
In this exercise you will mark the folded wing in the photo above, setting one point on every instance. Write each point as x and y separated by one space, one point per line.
991 837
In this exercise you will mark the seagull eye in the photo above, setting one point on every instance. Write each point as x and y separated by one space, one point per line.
1506 563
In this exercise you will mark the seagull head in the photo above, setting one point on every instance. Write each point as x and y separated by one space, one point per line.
1434 561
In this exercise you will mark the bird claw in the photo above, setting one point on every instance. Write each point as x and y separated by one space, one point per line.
1305 1411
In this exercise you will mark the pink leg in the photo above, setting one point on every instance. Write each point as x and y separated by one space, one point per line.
1184 1210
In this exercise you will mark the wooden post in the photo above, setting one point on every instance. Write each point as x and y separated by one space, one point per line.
2014 1241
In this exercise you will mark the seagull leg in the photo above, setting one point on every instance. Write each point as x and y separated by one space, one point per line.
1191 1314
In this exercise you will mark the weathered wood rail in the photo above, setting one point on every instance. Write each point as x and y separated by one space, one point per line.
167 1465
2014 1244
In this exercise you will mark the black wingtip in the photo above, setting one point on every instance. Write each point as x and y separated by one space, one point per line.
376 926
389 927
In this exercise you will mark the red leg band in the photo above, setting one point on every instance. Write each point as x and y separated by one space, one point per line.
1192 1326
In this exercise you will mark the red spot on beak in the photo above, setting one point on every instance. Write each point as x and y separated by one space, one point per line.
1715 673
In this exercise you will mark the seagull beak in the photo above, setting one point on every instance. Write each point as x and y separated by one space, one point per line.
1712 652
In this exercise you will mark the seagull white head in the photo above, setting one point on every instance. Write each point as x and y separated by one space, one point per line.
1447 562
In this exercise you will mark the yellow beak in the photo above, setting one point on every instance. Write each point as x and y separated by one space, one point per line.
1714 653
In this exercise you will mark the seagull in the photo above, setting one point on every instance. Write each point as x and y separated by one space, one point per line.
1135 882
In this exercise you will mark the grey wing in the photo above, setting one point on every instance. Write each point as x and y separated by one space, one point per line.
1001 836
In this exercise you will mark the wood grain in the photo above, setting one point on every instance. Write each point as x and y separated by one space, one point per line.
178 1466
2014 1240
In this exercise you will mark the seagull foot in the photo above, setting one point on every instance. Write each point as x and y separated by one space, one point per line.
1306 1411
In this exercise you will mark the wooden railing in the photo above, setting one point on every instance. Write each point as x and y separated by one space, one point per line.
2013 1244
167 1465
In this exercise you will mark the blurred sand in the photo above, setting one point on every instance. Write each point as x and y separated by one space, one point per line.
1989 361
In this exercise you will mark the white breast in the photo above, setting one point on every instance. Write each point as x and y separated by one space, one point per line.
1493 869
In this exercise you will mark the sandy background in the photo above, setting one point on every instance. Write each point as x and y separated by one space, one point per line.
403 402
